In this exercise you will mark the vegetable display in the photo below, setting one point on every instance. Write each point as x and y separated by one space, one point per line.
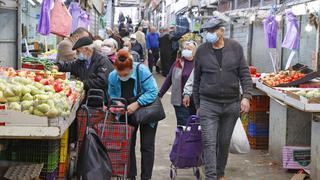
283 77
46 63
38 93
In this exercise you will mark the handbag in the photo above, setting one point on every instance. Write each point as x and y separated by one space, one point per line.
150 113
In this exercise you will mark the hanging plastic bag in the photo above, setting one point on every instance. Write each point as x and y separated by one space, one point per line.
60 19
239 141
94 162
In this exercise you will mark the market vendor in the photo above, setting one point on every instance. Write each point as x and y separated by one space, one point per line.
65 52
220 69
91 67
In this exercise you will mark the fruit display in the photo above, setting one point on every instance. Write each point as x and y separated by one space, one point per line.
36 75
253 72
282 77
38 94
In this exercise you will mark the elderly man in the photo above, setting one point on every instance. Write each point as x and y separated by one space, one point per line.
65 52
116 37
220 66
91 67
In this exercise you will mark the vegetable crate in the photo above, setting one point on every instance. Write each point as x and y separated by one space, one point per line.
260 104
62 169
258 142
258 130
37 151
261 118
64 147
295 157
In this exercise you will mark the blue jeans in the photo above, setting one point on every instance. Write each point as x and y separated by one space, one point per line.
182 114
217 124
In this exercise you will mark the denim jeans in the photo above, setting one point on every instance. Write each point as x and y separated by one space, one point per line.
217 124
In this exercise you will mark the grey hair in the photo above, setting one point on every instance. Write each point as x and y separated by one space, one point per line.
112 41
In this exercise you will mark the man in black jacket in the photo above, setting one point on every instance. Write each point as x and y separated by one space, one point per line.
220 66
137 47
91 67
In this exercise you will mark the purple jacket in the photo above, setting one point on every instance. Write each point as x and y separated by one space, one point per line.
44 23
177 77
270 31
291 40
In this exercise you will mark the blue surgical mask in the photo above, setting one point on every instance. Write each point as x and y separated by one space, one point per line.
126 78
186 53
82 57
211 37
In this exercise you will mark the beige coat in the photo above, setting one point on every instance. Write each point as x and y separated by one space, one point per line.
65 52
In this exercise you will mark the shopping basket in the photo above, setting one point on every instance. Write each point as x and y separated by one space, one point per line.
117 137
187 148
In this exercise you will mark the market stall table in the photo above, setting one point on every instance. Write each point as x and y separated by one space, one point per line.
290 122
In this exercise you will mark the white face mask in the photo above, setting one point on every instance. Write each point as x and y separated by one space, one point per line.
126 48
106 50
186 53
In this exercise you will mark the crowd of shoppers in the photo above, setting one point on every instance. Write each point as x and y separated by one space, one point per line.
205 80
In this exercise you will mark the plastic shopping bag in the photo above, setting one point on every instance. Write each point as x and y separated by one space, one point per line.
60 19
239 141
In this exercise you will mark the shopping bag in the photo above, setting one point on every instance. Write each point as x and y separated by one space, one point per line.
239 141
94 162
60 19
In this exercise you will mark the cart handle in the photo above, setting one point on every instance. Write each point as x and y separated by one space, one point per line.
121 100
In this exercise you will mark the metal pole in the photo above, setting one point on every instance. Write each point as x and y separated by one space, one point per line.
318 48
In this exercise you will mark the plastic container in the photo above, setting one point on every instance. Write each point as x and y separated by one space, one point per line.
260 104
255 130
62 170
64 147
49 176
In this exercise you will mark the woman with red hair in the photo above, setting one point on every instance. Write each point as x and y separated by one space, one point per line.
123 84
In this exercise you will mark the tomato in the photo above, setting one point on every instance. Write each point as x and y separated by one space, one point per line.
258 75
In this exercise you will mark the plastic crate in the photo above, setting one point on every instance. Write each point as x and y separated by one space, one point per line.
62 170
49 176
258 118
255 130
260 103
35 151
259 142
64 147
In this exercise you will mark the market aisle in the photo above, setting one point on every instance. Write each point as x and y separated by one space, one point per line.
253 166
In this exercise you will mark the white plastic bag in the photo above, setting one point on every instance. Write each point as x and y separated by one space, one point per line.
239 141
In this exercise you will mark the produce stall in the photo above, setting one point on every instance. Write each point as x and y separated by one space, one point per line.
294 100
36 110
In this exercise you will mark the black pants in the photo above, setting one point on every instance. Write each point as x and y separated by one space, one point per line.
153 58
147 143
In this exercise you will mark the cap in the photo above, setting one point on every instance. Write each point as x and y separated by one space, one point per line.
133 36
213 23
85 41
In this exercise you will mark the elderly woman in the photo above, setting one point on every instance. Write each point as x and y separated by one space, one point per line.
127 45
109 48
123 84
177 78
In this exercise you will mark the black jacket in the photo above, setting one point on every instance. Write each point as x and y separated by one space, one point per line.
137 47
221 84
96 76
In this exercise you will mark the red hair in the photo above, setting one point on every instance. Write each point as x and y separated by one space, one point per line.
123 61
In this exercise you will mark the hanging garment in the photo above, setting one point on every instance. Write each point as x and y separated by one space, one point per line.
75 11
291 40
44 23
84 20
59 12
270 31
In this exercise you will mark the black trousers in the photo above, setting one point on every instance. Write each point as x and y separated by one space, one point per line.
153 58
147 143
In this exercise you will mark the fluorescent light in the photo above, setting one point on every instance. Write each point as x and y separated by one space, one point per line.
308 28
31 2
278 17
299 9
